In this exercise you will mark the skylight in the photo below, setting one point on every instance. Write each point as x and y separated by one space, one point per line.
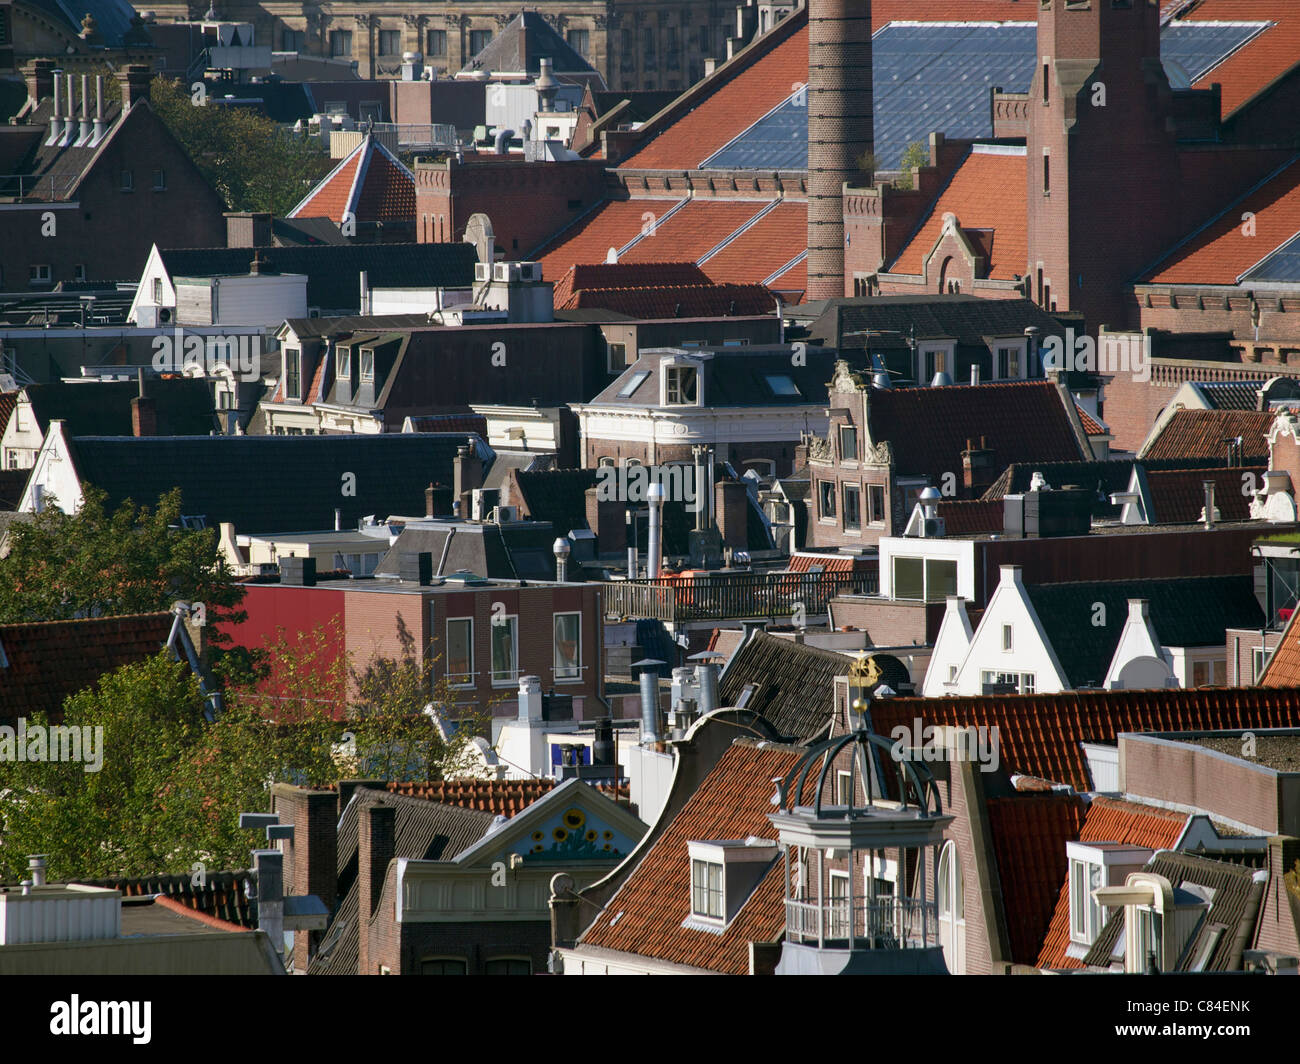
638 379
782 385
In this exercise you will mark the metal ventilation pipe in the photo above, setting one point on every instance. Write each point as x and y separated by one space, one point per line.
561 548
655 497
502 142
1208 485
36 866
649 681
706 676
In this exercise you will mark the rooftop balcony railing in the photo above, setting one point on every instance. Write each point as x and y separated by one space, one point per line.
767 595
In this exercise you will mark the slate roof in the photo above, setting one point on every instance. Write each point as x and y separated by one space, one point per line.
58 170
423 831
333 270
245 479
1187 612
733 376
558 496
1200 434
522 42
1107 820
103 408
498 797
795 684
1234 907
223 894
1229 395
928 428
977 196
42 663
645 915
497 552
1029 835
112 17
12 484
1041 735
965 318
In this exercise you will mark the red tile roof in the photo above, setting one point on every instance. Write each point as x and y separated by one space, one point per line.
386 192
1029 836
1178 495
845 563
1107 820
1283 667
499 797
977 196
1042 735
589 238
692 232
49 660
1091 425
761 250
678 301
970 517
928 428
1221 252
646 913
1251 69
794 282
595 276
1200 434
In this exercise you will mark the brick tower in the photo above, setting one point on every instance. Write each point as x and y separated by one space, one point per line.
839 129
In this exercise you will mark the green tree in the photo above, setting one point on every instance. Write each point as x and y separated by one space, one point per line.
252 162
915 154
95 563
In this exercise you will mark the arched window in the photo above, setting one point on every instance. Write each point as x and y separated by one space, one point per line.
951 897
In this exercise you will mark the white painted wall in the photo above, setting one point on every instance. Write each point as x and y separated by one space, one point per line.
1030 651
53 479
962 551
951 645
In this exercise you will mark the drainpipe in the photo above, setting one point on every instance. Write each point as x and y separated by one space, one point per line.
655 496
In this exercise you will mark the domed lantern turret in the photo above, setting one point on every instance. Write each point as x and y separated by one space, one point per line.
839 831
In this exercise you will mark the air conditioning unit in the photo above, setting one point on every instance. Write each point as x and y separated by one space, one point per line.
482 502
502 514
482 271
932 528
530 271
501 271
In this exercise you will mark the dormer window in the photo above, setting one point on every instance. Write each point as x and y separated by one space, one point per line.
848 443
343 368
681 385
724 873
367 365
1086 917
292 374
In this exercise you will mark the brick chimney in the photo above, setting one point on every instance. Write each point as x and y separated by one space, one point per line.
376 835
311 856
467 474
39 74
608 520
840 129
134 79
248 229
732 513
144 412
977 470
437 501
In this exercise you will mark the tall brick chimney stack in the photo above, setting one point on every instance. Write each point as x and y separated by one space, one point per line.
840 129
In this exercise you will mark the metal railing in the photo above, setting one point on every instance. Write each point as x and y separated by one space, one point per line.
22 186
769 595
885 923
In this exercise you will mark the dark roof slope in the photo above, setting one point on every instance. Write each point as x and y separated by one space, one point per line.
1187 612
558 496
41 664
333 270
965 318
795 684
1234 907
423 831
499 552
272 483
526 39
103 408
928 428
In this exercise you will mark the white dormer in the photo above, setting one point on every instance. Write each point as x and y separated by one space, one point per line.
951 645
681 381
724 873
1139 661
1093 866
1159 922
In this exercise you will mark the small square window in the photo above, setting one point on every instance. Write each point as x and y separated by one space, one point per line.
160 180
826 497
39 274
128 181
435 43
876 503
390 42
79 272
1006 637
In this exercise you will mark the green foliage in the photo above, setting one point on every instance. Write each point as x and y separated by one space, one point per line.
172 784
252 163
93 563
915 154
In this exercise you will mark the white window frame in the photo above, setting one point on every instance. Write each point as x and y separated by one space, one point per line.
706 889
1008 639
1086 915
343 363
669 382
942 355
950 883
367 378
469 677
293 357
558 671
